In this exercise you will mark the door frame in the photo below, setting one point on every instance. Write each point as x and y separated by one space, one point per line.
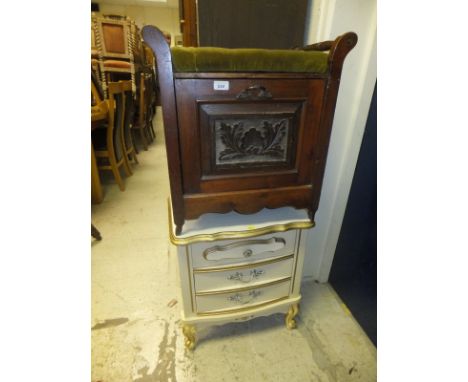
188 20
326 20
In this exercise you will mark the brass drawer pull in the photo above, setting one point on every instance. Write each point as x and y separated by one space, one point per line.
242 299
254 93
239 276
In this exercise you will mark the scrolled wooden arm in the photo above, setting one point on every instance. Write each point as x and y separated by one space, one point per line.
320 46
338 52
338 49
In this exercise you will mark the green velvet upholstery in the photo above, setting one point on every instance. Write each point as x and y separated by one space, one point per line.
248 60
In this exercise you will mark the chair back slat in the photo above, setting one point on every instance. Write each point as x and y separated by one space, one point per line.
116 99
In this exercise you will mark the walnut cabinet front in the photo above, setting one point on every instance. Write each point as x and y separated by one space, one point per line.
249 153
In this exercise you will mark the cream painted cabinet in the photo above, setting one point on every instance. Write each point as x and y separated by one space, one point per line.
237 267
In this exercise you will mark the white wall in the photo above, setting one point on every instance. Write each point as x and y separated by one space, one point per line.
165 18
328 19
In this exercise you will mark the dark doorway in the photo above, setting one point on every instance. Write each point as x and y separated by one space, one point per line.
354 270
271 24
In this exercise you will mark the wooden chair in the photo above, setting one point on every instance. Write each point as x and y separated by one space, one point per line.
99 116
136 45
150 65
113 153
129 146
148 56
150 99
143 121
94 54
113 42
97 94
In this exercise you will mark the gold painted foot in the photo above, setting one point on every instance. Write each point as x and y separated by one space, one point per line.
289 319
189 334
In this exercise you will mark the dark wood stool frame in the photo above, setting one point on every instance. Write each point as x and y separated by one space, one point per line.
198 184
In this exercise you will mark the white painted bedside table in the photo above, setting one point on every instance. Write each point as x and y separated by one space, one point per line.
236 267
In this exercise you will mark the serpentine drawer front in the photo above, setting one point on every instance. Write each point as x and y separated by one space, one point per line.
234 267
241 276
243 251
242 298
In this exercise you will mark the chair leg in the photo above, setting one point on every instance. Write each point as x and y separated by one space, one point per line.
133 155
130 155
126 162
133 141
118 178
143 138
116 172
151 126
95 233
148 134
126 166
152 129
149 129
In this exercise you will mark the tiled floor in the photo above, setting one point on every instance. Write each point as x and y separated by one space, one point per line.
135 307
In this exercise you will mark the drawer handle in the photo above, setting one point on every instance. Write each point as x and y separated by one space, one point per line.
247 253
254 93
242 299
239 276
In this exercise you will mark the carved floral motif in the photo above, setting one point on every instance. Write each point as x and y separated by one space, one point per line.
252 141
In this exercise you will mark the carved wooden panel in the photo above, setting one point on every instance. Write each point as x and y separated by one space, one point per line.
251 140
296 101
249 136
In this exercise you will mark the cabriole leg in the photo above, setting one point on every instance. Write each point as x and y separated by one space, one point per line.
189 334
289 319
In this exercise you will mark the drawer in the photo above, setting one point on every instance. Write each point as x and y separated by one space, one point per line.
242 298
249 275
243 251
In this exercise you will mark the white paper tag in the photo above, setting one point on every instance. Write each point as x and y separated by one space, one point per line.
221 85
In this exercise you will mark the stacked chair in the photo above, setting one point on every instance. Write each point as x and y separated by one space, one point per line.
146 97
143 123
128 146
123 75
150 68
110 151
114 48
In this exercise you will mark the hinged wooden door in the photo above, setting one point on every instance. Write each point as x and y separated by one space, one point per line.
257 134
